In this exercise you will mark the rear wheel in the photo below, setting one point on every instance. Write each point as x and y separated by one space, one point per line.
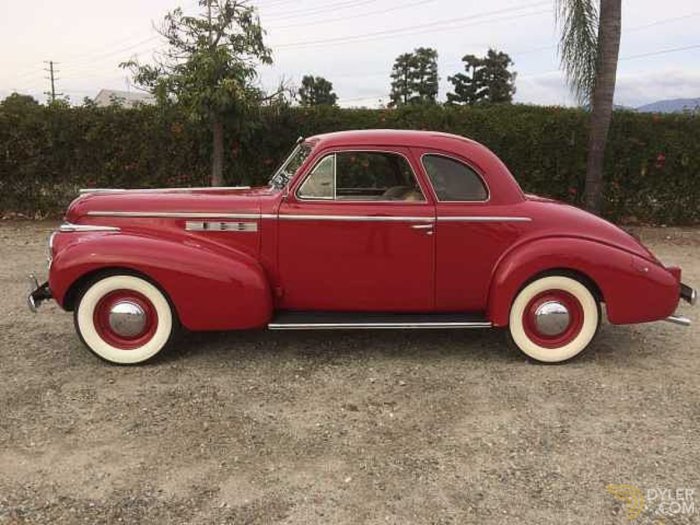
554 319
124 319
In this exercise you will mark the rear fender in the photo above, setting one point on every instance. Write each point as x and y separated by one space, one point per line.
212 287
634 289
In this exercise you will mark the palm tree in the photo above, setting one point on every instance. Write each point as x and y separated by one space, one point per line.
589 47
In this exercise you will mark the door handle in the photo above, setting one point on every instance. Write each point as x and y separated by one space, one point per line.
421 226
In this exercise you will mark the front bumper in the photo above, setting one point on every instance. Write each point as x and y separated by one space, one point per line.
37 293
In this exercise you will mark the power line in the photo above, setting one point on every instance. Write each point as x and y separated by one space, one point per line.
109 54
629 57
661 52
421 28
344 4
622 59
359 15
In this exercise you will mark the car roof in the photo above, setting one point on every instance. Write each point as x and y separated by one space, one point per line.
389 137
503 187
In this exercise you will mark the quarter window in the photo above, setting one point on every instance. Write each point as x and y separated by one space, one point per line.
362 176
452 180
321 183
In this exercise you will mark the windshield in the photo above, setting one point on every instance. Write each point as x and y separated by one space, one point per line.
285 173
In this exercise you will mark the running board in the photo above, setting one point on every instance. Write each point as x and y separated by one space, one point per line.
374 321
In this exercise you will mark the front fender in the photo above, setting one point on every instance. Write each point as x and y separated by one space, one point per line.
212 287
634 289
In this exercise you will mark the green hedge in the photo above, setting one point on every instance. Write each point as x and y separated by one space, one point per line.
47 153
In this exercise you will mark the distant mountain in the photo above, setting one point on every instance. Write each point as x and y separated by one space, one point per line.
676 105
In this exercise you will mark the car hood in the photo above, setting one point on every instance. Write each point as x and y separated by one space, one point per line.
167 201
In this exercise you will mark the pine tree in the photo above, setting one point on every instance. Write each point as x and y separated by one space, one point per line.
468 86
401 84
414 78
316 91
486 79
425 75
497 79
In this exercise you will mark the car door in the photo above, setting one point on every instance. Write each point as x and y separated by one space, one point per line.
355 233
472 231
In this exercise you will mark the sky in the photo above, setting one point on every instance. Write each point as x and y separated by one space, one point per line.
353 43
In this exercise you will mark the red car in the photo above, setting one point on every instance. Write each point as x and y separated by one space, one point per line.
358 229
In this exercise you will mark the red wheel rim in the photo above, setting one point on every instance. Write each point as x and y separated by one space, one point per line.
101 319
569 333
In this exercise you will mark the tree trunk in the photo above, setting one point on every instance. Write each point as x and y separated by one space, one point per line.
609 30
217 158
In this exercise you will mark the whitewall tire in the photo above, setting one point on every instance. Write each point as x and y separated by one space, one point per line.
554 319
124 319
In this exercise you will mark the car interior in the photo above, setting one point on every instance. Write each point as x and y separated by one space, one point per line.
362 176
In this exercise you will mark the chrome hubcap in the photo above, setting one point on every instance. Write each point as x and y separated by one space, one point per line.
127 319
552 318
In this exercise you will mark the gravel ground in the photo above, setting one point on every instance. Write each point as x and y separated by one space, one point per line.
344 427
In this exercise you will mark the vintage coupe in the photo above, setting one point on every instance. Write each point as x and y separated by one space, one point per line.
357 229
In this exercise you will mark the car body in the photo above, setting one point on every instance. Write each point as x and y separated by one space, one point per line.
357 229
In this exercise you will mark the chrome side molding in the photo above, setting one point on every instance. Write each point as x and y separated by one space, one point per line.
85 191
483 218
355 218
299 217
67 227
172 214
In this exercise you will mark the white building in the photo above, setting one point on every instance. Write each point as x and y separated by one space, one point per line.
126 99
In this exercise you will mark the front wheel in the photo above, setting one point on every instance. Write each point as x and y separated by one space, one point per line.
124 319
553 319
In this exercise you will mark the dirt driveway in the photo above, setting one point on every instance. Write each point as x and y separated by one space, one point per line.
375 427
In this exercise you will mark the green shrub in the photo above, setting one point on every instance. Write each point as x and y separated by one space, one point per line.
48 153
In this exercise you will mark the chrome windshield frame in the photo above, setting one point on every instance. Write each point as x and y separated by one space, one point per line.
274 181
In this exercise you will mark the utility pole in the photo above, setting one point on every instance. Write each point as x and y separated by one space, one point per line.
52 72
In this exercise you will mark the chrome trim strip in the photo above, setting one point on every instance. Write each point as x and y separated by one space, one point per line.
67 227
363 218
376 326
297 217
210 226
173 215
483 218
678 319
84 191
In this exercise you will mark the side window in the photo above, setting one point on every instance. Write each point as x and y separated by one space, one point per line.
320 184
362 176
452 180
